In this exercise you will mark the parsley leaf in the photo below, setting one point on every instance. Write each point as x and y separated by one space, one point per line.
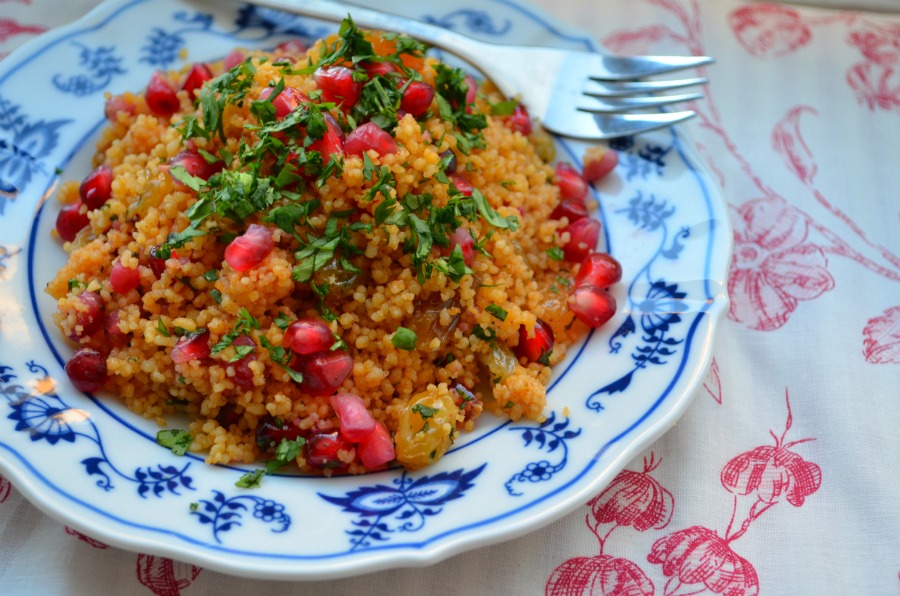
404 339
252 479
286 452
496 311
179 441
424 411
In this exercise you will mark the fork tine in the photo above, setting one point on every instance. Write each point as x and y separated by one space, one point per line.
611 126
622 68
622 89
624 104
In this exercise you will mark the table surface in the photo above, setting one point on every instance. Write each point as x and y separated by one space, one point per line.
782 476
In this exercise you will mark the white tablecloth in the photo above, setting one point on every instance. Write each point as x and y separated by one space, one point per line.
782 477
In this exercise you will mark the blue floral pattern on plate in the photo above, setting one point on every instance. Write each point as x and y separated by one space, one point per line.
66 449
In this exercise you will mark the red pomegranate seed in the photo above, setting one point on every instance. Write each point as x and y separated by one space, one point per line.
308 336
583 235
250 248
291 47
195 164
96 188
592 305
379 67
234 58
332 141
535 347
377 449
596 168
228 415
191 346
70 221
571 184
599 269
322 450
243 374
338 86
123 279
417 98
356 420
114 334
461 184
161 97
199 74
369 136
285 102
463 238
324 372
157 264
519 121
271 431
87 370
116 104
573 209
88 316
472 91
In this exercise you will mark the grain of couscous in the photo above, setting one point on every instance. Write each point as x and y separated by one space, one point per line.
337 257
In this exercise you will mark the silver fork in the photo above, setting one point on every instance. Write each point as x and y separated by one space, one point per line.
577 94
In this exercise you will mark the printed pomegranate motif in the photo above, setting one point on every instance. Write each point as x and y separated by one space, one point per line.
603 575
697 555
635 499
165 577
769 30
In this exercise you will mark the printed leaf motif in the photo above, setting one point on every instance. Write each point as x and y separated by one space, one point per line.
9 28
84 538
603 575
882 338
639 41
165 577
713 384
787 140
5 488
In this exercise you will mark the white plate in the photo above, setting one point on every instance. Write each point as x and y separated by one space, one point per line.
95 466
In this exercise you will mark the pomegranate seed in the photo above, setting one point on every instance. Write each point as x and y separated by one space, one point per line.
243 374
308 336
573 209
324 372
250 248
472 91
116 104
461 184
571 184
378 448
322 450
369 136
519 120
331 142
157 264
199 74
463 238
383 68
451 160
87 370
114 334
195 165
291 47
96 188
70 221
89 317
285 102
356 420
123 279
417 98
271 431
228 415
234 58
596 166
583 236
160 95
592 305
599 269
337 85
192 346
535 347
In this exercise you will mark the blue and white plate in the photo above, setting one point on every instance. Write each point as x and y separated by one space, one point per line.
94 465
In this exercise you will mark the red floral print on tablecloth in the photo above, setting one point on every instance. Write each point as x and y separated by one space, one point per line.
85 539
882 338
876 78
5 487
769 30
773 266
165 577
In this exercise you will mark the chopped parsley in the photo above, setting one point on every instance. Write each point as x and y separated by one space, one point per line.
179 441
424 411
252 479
244 325
496 311
556 253
404 339
161 327
286 452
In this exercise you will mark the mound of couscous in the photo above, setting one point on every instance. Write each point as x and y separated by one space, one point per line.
337 257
